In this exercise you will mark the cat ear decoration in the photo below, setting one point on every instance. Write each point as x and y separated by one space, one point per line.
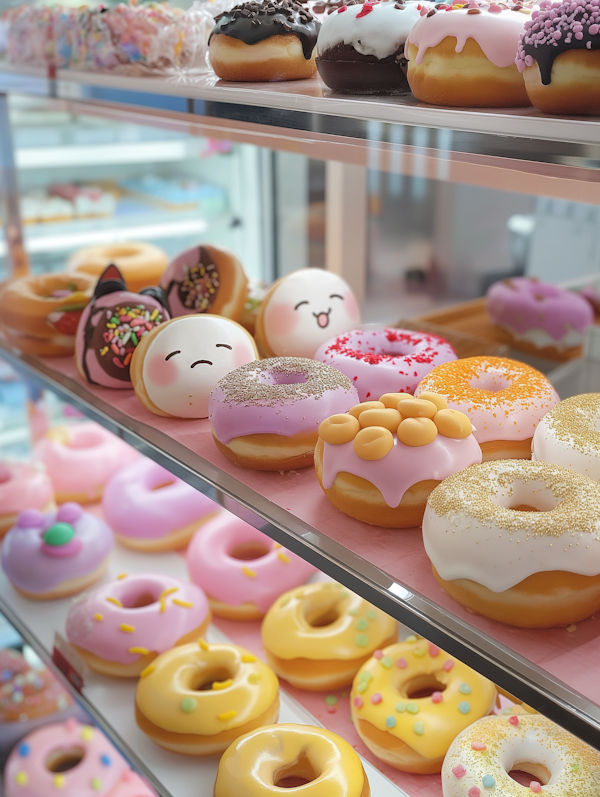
110 280
156 293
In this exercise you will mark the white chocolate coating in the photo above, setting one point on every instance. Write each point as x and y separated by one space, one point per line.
488 749
381 32
470 529
306 309
569 435
187 359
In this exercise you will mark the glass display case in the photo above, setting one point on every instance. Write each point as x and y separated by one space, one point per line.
420 209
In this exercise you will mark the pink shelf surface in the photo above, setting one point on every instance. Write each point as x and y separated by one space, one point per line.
570 656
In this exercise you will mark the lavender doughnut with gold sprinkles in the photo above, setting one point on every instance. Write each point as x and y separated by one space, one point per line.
265 415
480 758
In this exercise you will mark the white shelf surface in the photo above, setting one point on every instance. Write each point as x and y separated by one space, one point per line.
114 698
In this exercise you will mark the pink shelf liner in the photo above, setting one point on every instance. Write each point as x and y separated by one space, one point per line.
571 657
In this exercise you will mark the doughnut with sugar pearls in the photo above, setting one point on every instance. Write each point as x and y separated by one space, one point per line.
480 758
504 400
517 541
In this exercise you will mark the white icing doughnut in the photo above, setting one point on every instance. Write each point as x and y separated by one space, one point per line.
569 435
480 758
302 311
174 372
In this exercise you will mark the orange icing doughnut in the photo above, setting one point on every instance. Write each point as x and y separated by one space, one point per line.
504 400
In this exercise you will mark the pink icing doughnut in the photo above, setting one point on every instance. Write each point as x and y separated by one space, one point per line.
23 487
379 361
132 786
149 509
242 571
81 458
539 313
120 627
266 414
55 555
67 758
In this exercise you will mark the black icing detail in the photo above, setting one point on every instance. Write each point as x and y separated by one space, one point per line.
276 18
546 54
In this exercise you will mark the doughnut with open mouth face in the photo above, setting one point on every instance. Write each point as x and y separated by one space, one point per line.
302 311
174 372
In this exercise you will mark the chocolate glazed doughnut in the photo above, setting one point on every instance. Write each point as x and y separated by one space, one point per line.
274 40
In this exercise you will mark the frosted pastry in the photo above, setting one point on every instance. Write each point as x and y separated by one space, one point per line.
386 360
518 542
538 313
178 364
303 310
27 694
380 461
23 486
141 265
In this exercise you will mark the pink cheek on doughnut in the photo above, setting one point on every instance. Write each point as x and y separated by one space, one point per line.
161 372
242 354
351 306
282 318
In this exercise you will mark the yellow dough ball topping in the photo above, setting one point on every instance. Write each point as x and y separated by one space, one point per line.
374 442
439 401
387 418
391 400
339 429
366 405
417 431
453 423
417 408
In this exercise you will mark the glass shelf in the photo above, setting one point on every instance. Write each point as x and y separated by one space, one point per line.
554 671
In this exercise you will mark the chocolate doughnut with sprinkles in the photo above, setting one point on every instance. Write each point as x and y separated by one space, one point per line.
205 279
273 40
111 328
559 56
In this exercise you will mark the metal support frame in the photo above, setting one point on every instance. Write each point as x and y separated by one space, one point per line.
9 195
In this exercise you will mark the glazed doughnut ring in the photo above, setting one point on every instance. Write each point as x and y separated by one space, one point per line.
196 699
480 758
379 361
318 636
410 701
319 761
518 542
504 400
140 264
568 435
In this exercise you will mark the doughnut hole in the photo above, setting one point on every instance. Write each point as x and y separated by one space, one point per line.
391 400
523 772
208 678
64 759
162 485
320 613
366 405
388 418
421 686
288 379
492 380
249 551
137 598
299 773
526 497
417 431
339 429
417 408
374 442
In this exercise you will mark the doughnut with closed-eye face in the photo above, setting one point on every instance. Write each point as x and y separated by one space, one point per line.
303 310
177 365
205 279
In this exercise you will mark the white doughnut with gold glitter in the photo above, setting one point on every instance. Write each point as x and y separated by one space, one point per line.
569 435
480 758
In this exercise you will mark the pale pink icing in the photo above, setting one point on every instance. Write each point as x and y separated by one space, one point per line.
133 507
496 31
403 466
227 579
379 361
91 457
299 413
24 554
158 626
132 786
96 775
26 487
504 399
522 304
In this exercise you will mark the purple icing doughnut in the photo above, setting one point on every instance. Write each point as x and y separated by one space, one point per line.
539 313
57 554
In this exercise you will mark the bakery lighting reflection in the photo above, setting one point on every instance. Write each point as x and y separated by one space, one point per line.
401 592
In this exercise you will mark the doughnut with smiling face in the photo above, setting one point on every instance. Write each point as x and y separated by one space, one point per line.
302 311
174 372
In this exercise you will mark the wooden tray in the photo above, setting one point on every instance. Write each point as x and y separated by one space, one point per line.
471 318
464 344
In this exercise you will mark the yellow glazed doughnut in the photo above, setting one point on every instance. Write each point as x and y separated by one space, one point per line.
504 400
411 699
318 636
480 758
291 756
196 699
517 541
379 462
140 264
